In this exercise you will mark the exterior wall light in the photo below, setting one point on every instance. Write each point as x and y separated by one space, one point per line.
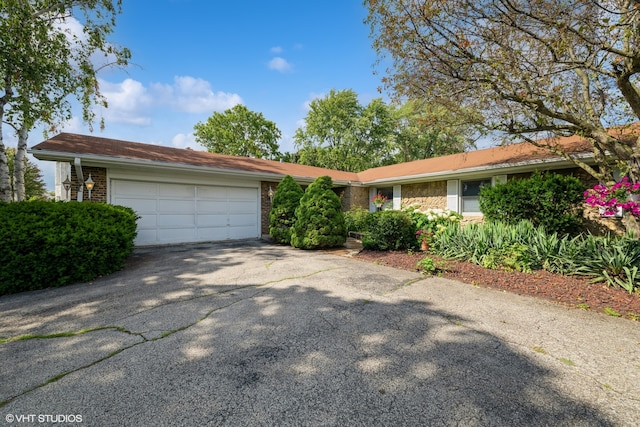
89 183
67 186
270 194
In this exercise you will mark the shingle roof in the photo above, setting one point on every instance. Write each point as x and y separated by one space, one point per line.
66 145
82 145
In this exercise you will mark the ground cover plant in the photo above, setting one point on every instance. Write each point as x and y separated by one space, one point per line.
51 244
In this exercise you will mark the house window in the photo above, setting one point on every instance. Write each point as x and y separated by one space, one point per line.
385 191
471 195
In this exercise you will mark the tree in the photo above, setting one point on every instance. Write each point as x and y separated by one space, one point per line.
424 131
532 67
283 209
34 186
319 218
340 133
239 132
43 62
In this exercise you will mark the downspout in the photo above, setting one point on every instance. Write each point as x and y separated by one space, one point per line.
78 166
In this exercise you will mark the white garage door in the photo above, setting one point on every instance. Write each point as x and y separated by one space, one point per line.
180 213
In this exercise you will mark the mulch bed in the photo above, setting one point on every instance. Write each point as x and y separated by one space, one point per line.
573 291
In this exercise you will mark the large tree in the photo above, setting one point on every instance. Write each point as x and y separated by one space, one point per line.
532 67
426 130
239 132
340 133
43 61
34 186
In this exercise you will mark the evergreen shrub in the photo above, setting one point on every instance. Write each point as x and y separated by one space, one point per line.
283 209
390 231
319 218
50 244
551 200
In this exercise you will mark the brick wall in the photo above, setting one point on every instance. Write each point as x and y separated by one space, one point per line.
99 177
266 204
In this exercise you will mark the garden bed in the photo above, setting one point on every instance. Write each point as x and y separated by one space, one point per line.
573 291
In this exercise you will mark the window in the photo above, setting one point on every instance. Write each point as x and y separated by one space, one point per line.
471 193
385 191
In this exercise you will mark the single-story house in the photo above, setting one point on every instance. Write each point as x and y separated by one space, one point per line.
183 195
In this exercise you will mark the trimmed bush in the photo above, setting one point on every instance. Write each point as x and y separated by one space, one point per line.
390 231
51 244
319 218
357 219
283 209
550 200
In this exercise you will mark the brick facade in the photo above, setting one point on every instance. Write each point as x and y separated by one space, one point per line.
99 177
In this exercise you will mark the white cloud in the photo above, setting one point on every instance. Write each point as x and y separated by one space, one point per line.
128 102
193 95
182 140
279 64
276 49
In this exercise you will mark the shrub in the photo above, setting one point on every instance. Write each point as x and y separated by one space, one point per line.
551 200
283 209
51 244
357 219
319 219
390 230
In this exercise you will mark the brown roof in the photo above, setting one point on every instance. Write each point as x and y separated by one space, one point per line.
507 155
96 147
83 145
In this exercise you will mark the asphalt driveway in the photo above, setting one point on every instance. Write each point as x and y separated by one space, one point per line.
255 334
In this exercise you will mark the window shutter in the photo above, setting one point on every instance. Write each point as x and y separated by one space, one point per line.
453 196
397 197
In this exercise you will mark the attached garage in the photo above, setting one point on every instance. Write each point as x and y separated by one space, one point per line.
178 213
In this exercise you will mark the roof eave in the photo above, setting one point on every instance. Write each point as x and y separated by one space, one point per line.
504 168
103 161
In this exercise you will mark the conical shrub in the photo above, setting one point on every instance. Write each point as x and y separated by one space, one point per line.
319 218
283 209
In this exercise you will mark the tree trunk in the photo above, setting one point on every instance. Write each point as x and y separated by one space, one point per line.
5 183
19 165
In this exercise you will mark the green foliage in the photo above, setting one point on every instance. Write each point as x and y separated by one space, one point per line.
550 200
433 220
239 132
51 244
390 231
357 219
33 182
340 133
523 247
283 209
319 219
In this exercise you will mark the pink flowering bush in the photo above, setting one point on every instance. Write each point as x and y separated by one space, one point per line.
618 196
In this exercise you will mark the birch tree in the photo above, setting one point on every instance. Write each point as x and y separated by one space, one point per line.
44 62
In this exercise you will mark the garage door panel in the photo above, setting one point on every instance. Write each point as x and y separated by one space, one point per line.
215 193
212 220
176 206
212 207
176 220
177 213
174 191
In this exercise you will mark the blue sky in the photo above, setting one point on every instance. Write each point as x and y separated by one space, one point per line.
194 57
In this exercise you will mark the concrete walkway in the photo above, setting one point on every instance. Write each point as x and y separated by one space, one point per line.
254 334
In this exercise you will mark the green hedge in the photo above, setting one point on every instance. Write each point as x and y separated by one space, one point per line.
51 244
390 231
283 210
551 200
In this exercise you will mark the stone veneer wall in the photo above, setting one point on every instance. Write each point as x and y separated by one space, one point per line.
353 197
428 195
99 177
